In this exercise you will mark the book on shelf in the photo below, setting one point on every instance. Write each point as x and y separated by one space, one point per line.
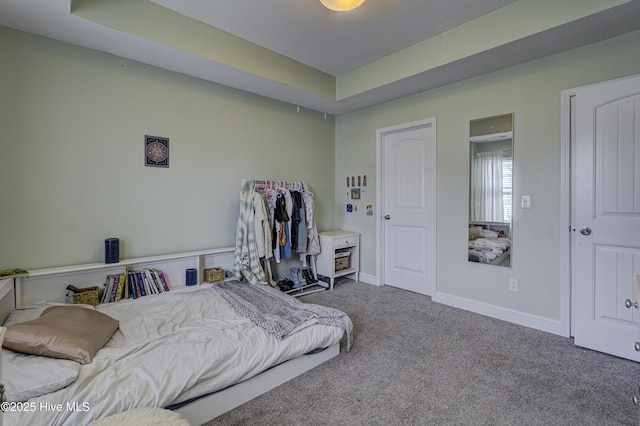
164 280
120 287
133 292
108 289
139 285
114 287
127 292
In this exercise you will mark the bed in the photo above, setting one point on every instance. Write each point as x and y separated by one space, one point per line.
488 246
200 351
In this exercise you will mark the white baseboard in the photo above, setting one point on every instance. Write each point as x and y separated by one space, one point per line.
532 321
368 279
547 325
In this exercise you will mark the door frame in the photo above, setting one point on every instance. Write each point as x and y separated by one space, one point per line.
380 201
567 161
567 121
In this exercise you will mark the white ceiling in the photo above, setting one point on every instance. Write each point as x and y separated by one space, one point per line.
333 42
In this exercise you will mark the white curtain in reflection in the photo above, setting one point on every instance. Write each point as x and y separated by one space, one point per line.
487 188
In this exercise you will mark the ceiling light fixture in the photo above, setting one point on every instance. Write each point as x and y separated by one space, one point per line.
341 5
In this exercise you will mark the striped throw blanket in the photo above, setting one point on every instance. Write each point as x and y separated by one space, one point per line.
278 313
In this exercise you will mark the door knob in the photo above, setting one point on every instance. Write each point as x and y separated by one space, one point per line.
636 346
629 304
387 217
585 230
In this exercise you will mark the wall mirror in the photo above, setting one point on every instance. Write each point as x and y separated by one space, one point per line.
491 190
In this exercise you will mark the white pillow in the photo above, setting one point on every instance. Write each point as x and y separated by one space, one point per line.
27 376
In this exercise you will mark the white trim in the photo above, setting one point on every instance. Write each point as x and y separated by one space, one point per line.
527 320
369 279
492 137
566 313
431 123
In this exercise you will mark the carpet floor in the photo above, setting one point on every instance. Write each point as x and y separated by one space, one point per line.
415 362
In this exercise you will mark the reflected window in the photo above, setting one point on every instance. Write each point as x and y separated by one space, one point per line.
492 188
507 185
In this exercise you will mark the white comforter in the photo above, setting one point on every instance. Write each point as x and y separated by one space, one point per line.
487 249
169 348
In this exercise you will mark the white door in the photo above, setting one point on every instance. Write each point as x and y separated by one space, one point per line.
408 205
606 228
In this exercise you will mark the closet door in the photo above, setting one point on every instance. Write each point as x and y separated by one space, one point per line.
408 188
606 228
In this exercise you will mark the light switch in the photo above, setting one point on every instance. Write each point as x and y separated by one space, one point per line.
525 203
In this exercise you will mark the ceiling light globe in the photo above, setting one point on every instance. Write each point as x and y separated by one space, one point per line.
341 5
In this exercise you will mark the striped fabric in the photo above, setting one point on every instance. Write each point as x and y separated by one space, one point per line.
246 266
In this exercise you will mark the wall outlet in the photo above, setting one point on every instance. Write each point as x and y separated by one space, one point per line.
513 284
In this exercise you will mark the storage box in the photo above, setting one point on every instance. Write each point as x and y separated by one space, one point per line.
343 260
86 296
212 275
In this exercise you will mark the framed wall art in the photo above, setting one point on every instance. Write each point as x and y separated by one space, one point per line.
156 151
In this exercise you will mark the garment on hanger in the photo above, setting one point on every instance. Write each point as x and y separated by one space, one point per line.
285 249
262 227
296 201
301 246
246 264
313 240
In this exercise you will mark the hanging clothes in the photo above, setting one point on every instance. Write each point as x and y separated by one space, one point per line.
246 265
301 246
275 221
313 240
296 201
262 227
280 219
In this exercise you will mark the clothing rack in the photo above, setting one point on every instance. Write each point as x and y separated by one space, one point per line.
299 186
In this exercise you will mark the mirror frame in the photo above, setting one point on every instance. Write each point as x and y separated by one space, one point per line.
494 130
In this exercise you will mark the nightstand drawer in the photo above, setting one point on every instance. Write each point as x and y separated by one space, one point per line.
345 241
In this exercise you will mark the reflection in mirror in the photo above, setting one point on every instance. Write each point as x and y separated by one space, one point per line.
491 190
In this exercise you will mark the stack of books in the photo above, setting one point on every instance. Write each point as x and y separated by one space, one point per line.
134 284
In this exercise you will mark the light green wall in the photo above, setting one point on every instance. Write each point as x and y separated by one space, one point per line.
73 122
533 92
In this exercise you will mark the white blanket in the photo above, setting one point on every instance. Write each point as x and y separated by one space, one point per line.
170 348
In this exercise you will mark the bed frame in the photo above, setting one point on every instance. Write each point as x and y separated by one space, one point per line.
50 284
210 406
